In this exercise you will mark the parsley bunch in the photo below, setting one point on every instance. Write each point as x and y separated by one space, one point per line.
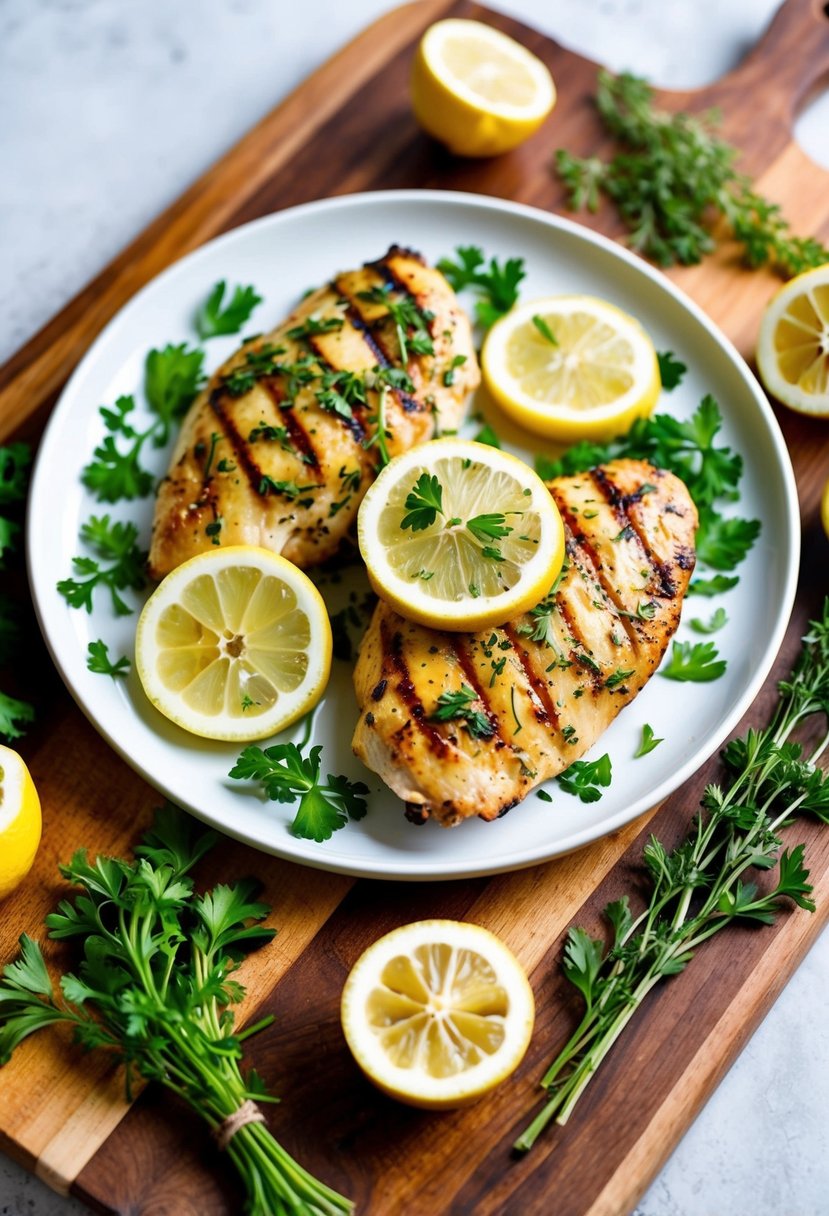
154 987
674 179
702 885
14 477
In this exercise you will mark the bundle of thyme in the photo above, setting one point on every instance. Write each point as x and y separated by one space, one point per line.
153 988
674 180
701 886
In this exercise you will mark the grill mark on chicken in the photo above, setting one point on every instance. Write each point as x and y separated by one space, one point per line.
241 447
620 503
354 315
546 711
354 424
467 666
300 439
586 565
393 649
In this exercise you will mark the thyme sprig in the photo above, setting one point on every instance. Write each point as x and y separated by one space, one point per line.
702 886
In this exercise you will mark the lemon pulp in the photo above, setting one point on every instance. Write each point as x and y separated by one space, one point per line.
793 345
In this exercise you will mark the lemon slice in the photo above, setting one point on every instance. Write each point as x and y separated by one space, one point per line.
571 367
234 644
476 90
19 820
793 344
437 1013
488 551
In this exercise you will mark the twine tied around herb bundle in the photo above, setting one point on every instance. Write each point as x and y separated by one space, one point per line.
247 1113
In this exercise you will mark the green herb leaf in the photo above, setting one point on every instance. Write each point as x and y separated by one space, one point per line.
649 742
213 320
424 503
488 436
492 526
172 378
699 662
496 283
544 329
98 660
584 777
723 543
119 564
671 371
716 622
454 705
709 587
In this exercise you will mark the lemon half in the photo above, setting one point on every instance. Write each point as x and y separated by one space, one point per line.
20 821
571 367
476 90
234 644
437 1013
793 344
489 553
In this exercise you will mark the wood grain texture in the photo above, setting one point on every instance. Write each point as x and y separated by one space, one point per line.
349 128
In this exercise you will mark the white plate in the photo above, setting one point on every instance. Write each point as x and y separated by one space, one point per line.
282 255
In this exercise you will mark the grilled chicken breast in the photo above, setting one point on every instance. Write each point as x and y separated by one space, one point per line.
547 684
280 447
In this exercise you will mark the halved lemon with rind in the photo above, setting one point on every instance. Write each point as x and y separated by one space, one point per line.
490 552
20 821
571 367
234 644
437 1013
476 90
793 344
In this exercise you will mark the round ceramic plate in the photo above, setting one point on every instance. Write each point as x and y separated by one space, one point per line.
282 255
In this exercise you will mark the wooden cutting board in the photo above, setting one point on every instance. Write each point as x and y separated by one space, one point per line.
347 128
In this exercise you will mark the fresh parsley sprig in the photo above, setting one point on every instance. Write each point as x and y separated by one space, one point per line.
154 987
673 180
119 564
99 662
286 775
702 885
172 378
496 283
215 318
587 778
671 370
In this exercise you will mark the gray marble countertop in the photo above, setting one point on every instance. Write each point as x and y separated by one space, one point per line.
109 111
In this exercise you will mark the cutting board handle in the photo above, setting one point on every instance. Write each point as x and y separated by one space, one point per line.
787 66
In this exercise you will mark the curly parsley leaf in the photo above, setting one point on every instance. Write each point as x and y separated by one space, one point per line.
718 619
671 370
495 282
14 716
424 503
119 564
698 662
585 777
99 662
213 320
286 775
649 742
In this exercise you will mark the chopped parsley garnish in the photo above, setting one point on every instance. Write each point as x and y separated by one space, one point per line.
671 371
495 283
310 327
424 503
98 660
491 526
709 587
585 777
698 662
286 775
618 677
411 323
458 705
449 374
288 489
213 320
119 564
14 474
544 795
649 742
